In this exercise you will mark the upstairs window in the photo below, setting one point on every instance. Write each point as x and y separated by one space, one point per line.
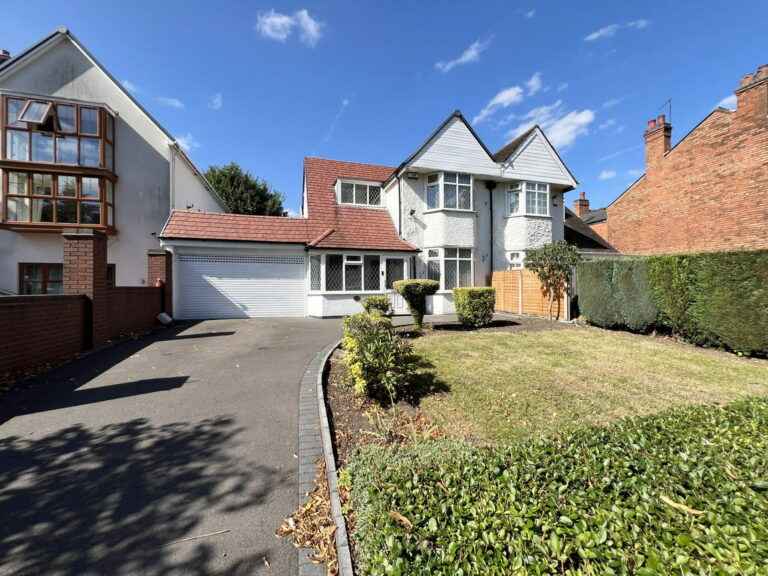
360 193
58 133
528 198
449 190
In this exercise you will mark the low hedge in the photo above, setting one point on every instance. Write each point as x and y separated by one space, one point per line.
712 299
684 492
475 306
378 303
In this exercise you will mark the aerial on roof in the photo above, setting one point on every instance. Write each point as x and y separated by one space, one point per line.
327 224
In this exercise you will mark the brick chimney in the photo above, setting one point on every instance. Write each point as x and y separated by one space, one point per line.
581 206
752 94
658 141
4 55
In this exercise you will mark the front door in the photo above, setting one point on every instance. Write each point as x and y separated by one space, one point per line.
394 270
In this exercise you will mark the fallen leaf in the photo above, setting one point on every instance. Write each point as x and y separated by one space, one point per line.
265 561
402 519
682 507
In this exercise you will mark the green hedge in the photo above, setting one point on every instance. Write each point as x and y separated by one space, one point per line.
475 306
712 299
685 492
378 303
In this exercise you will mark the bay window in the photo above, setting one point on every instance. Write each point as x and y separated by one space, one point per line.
453 270
449 190
530 198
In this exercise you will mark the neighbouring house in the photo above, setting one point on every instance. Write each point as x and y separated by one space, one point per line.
589 242
452 211
78 151
705 193
596 219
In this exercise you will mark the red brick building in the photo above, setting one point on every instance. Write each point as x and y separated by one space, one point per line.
706 193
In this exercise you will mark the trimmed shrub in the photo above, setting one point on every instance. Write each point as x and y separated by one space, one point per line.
475 306
415 293
633 295
682 492
379 362
379 303
596 300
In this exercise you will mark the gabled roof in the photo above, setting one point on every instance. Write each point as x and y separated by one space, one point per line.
327 225
511 150
455 114
38 48
507 150
582 236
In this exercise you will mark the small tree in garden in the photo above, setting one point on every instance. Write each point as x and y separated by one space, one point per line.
553 264
415 293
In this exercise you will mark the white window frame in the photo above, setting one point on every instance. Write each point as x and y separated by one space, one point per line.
441 191
442 257
521 189
368 184
353 259
320 262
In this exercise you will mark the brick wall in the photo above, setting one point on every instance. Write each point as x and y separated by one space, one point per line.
131 309
709 192
40 329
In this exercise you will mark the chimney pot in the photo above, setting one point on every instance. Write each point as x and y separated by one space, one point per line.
581 206
661 119
4 55
762 71
651 124
583 195
746 79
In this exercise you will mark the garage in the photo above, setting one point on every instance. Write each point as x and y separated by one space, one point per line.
239 286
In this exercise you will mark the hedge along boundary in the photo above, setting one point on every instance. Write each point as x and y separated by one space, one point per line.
710 299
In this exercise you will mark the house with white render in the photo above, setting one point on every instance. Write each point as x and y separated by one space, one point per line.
452 211
78 151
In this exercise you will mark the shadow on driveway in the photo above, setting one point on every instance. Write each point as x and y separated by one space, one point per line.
105 501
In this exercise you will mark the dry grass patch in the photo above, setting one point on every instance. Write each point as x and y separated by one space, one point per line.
505 386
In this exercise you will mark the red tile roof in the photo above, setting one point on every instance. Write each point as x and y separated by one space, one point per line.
328 225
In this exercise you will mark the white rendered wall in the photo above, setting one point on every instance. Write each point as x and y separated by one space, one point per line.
449 228
142 164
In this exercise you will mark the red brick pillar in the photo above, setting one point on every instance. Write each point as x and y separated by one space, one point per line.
85 272
159 267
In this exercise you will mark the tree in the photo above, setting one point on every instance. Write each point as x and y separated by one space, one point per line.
243 192
553 264
415 293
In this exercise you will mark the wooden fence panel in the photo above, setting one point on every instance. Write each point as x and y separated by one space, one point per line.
519 292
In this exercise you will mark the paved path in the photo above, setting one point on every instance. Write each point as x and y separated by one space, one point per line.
188 432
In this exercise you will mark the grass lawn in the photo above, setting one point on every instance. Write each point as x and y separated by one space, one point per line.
506 386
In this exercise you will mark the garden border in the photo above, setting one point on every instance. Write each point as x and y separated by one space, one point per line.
315 443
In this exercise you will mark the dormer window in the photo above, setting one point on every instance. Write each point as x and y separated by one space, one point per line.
359 193
449 190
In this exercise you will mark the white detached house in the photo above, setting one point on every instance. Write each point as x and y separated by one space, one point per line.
452 212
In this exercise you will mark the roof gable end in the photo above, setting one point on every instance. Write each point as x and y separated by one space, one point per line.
532 157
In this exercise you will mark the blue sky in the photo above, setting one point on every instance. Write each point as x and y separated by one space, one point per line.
265 84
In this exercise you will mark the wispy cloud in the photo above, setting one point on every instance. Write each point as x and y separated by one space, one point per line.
611 103
534 84
562 126
130 86
562 86
728 102
607 174
635 173
188 142
471 54
279 26
607 124
604 32
611 29
620 152
503 99
339 114
638 24
172 102
216 101
530 14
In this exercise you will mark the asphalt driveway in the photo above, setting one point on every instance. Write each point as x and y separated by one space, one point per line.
109 460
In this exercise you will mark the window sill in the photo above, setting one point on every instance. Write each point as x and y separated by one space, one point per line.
48 227
547 216
460 210
369 206
49 167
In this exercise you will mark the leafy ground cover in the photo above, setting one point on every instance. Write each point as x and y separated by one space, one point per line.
504 386
683 492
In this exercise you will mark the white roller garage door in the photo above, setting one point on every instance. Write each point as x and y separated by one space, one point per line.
235 286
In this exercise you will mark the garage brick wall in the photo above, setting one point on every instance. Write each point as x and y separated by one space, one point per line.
709 192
